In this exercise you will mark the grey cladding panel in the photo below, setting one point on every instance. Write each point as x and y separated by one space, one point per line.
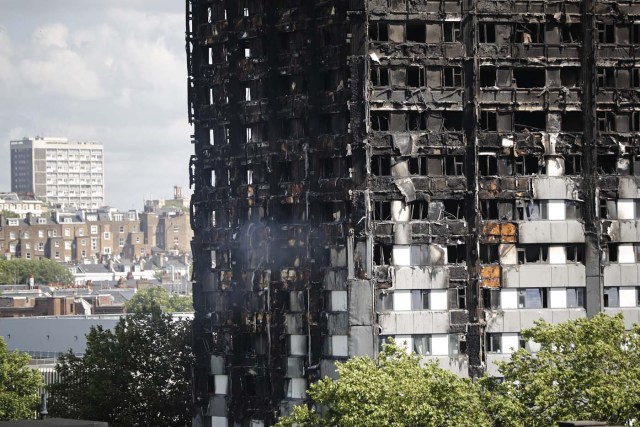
361 341
360 303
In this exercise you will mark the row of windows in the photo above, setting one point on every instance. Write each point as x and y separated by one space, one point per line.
422 299
535 298
429 344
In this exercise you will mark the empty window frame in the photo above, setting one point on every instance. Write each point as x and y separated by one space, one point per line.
381 165
382 254
451 32
379 121
456 254
379 76
533 253
488 164
606 33
529 77
488 121
381 210
489 253
418 165
416 120
529 165
416 32
487 32
452 77
571 33
606 78
529 121
529 33
378 31
416 77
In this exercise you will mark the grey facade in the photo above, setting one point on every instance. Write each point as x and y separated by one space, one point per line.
444 172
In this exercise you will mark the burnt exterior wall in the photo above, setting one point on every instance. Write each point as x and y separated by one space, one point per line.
443 172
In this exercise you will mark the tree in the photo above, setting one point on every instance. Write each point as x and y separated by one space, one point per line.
19 385
157 297
137 375
395 390
8 214
43 270
586 369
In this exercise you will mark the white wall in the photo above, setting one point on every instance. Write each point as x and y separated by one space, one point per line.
339 345
556 209
557 254
401 300
628 297
508 254
508 298
438 299
626 254
439 344
338 300
510 343
402 255
557 297
626 209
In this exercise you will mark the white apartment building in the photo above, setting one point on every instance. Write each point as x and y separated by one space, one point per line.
60 171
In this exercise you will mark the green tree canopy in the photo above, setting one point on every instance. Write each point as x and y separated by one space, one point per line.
18 385
586 369
395 390
137 375
157 298
8 214
44 271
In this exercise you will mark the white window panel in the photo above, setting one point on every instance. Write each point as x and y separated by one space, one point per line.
221 383
627 297
339 301
405 341
557 254
626 209
440 344
401 300
508 298
438 299
219 422
339 345
298 345
297 388
402 255
626 254
556 209
555 166
558 297
510 342
508 254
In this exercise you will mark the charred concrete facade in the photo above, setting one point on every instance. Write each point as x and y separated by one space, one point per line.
443 172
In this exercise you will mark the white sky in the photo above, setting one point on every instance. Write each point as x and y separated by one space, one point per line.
112 71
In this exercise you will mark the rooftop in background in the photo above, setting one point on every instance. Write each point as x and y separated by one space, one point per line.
21 204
